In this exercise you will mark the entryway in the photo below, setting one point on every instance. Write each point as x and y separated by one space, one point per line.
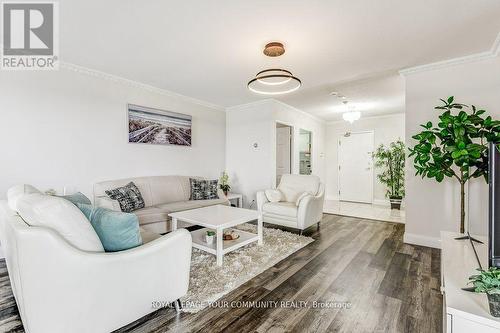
364 211
356 167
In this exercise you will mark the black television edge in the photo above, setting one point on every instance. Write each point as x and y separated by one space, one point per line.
494 206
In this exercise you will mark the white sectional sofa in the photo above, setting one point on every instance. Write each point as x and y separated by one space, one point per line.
162 195
59 288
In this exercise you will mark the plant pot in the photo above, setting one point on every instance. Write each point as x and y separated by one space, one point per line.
395 202
226 193
494 300
209 239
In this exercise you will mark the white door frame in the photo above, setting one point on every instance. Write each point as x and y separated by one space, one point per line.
338 161
292 149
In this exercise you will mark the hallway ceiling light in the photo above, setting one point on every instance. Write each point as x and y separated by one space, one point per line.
350 115
274 81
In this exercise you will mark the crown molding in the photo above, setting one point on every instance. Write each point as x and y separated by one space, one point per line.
272 100
492 53
135 84
300 111
247 105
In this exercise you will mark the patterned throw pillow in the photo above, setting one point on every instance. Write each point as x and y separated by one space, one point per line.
211 189
197 189
129 197
203 189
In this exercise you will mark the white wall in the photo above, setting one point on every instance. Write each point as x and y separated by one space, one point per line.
430 206
249 167
252 169
64 128
386 130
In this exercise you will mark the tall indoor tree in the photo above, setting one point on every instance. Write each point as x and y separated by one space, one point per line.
457 147
390 161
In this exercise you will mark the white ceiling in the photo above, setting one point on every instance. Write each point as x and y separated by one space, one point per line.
372 96
210 49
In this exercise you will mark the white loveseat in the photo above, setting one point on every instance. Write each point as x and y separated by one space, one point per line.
162 195
286 212
59 288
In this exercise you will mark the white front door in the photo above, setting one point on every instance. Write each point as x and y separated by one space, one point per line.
356 167
283 152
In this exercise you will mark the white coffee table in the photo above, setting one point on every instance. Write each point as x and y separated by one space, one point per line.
218 218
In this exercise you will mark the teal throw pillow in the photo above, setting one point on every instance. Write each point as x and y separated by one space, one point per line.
117 231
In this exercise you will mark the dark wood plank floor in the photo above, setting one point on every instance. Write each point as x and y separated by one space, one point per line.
386 285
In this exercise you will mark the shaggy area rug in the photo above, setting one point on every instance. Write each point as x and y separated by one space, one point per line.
209 282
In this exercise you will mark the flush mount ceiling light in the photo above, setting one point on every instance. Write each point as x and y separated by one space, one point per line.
274 49
350 115
274 81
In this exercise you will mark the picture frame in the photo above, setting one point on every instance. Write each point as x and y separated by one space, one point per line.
158 127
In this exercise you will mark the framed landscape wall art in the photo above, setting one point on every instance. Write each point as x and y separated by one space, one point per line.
153 126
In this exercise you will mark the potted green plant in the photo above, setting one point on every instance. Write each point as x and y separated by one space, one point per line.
489 282
224 183
209 237
456 147
391 160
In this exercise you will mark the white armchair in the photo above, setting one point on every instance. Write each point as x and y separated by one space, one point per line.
59 288
290 213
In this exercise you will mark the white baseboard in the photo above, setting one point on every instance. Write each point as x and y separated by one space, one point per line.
381 202
421 240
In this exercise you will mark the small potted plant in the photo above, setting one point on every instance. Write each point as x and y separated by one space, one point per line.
391 160
224 183
209 237
489 282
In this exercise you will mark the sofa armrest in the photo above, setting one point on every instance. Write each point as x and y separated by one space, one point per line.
310 209
261 200
107 202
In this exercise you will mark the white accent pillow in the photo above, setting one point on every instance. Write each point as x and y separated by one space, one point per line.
62 216
302 196
273 195
16 192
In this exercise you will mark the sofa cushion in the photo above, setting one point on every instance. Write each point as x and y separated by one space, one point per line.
212 202
180 206
148 236
292 186
166 189
273 195
16 192
151 215
129 197
62 216
280 208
